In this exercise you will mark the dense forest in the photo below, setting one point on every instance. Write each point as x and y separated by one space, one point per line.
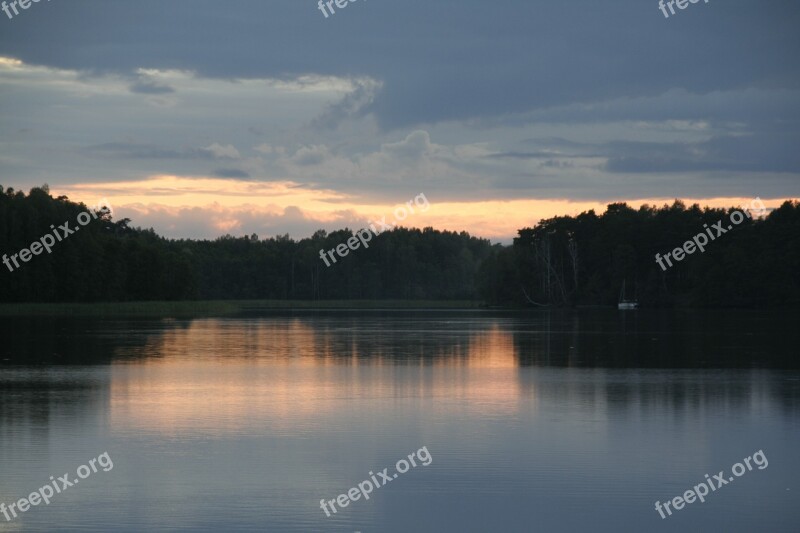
563 261
584 260
111 261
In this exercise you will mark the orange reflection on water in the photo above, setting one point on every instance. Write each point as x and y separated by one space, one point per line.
487 382
221 377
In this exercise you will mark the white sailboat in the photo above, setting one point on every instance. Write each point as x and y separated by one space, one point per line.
624 303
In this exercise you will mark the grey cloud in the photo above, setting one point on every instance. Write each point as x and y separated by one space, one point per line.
310 155
145 86
456 67
760 105
415 145
353 104
231 173
522 155
762 150
124 150
556 163
758 153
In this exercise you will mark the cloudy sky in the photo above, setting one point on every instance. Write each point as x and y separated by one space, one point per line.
201 118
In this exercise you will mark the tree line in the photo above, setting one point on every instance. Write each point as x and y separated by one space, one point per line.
586 259
562 261
110 260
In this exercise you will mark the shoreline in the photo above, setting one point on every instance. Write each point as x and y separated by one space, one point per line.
215 307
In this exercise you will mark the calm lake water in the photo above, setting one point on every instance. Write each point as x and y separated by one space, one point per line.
542 421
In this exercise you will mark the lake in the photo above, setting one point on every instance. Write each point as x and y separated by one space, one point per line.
574 420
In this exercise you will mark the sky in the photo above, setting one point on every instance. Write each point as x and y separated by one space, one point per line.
202 118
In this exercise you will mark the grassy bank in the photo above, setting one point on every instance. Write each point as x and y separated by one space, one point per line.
214 308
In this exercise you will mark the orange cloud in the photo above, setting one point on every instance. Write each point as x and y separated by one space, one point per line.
239 206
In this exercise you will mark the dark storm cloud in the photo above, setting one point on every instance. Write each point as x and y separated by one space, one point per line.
438 60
